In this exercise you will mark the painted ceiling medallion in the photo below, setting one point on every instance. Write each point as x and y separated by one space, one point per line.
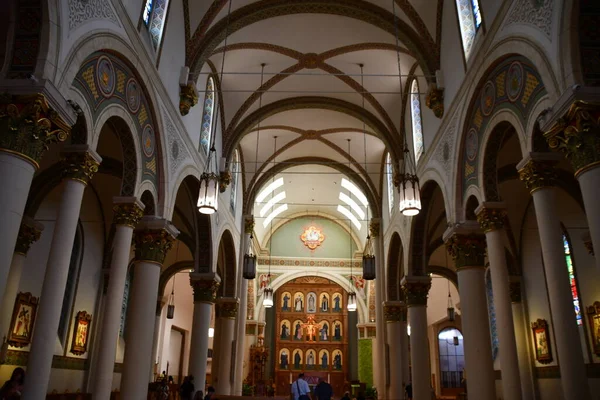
312 237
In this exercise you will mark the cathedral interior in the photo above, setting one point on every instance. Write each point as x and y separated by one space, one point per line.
397 197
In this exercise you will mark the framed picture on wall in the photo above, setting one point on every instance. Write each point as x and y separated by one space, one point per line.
541 340
593 312
81 333
23 318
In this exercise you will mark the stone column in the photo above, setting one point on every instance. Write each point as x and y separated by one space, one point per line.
28 125
80 165
491 217
522 337
153 240
466 245
227 310
28 234
205 292
127 213
416 290
381 367
241 316
160 303
393 312
576 134
538 174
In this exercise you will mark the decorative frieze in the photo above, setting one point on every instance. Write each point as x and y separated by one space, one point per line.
491 218
152 245
188 98
227 307
537 174
467 250
28 125
394 311
29 233
80 164
416 290
577 136
205 287
435 100
128 212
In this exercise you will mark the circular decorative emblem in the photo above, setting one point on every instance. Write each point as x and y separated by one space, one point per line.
312 237
132 92
488 98
472 144
105 75
514 81
148 141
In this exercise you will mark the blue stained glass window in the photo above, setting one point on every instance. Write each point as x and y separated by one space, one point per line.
491 313
469 20
476 13
147 11
417 125
235 171
572 280
389 170
207 116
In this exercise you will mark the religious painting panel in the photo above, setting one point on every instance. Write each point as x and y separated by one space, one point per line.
284 358
541 339
337 360
285 330
311 356
324 359
324 303
337 330
337 302
299 302
286 301
593 312
297 359
81 333
311 303
324 331
22 321
298 330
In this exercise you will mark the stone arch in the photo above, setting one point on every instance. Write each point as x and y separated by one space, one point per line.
364 184
147 198
470 206
227 271
444 272
170 271
395 270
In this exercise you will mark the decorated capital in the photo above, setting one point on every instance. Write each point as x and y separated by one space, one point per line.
205 287
80 163
153 239
394 311
435 100
127 211
467 250
28 125
374 227
491 216
188 98
249 224
29 233
577 135
227 307
416 290
537 174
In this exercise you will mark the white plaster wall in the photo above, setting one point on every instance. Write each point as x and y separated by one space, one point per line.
452 66
134 9
172 57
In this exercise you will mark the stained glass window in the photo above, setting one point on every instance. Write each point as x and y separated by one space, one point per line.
389 170
207 116
147 11
235 171
452 357
469 19
491 313
572 280
157 22
417 126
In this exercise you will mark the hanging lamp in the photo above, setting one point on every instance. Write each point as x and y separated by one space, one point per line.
249 268
408 188
268 291
451 311
171 303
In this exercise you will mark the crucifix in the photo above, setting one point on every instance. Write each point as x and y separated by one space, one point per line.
310 327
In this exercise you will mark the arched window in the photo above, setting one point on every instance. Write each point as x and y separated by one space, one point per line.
154 16
572 279
491 312
417 126
389 170
235 172
469 19
452 357
207 116
71 287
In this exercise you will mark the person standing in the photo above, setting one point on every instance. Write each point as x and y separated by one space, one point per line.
323 391
300 389
187 388
209 393
13 387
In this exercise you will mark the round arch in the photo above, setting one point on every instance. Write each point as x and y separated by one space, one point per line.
227 255
171 270
395 270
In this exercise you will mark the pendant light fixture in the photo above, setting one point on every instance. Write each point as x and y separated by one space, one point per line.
268 292
451 310
408 188
249 268
171 303
209 180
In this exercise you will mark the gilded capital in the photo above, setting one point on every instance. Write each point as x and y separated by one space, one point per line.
416 290
29 233
537 174
152 245
205 287
375 227
80 163
577 135
467 250
394 311
490 218
435 100
227 307
28 125
128 211
249 224
188 98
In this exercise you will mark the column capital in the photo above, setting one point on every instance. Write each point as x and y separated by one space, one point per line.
28 125
153 239
80 163
248 224
537 171
491 216
394 311
227 307
29 233
127 211
205 286
514 289
375 227
576 134
416 290
466 245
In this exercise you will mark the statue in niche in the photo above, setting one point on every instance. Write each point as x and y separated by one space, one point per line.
284 360
285 331
297 359
312 303
286 299
324 332
324 361
337 331
336 303
324 303
298 306
310 359
337 361
298 332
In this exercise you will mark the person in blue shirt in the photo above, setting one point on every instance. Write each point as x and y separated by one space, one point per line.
300 389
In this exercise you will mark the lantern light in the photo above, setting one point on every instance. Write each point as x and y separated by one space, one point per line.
249 271
351 301
268 297
209 192
410 196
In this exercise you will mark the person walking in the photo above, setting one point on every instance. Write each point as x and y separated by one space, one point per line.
187 388
300 389
323 391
